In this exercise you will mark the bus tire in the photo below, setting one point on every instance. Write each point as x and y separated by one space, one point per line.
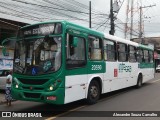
139 81
93 92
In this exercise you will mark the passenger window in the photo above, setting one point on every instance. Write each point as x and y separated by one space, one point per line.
76 56
132 54
109 50
150 56
122 52
140 55
95 48
146 56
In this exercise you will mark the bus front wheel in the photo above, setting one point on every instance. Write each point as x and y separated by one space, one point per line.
93 92
139 81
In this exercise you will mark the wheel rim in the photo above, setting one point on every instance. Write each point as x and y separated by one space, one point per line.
94 91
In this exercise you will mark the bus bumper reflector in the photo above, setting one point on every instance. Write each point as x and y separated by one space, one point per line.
51 98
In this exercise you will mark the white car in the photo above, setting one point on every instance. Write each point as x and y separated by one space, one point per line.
3 77
158 68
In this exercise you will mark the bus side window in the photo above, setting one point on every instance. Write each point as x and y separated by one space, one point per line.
150 56
109 50
122 52
76 55
140 57
95 48
146 56
132 54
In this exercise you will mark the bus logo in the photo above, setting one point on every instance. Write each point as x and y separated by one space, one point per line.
124 68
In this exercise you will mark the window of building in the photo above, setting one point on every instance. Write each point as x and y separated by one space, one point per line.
95 48
109 50
122 52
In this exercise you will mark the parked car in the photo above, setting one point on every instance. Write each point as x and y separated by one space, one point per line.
158 68
3 76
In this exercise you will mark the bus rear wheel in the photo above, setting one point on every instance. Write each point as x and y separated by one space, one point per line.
139 81
93 92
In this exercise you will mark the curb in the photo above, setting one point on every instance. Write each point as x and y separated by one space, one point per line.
4 101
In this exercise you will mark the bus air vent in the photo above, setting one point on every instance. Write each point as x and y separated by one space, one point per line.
33 81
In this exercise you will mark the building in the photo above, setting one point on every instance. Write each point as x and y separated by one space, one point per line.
8 29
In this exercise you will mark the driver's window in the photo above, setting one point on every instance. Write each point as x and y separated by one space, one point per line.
75 53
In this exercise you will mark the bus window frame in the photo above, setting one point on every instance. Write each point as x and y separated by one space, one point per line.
118 52
135 53
146 56
151 56
106 50
66 50
138 54
90 48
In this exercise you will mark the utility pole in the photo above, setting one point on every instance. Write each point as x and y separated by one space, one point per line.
140 23
131 32
111 19
126 26
90 14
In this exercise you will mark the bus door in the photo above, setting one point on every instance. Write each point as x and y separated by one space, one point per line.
76 69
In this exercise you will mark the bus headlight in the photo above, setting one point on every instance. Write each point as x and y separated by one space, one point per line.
51 88
17 86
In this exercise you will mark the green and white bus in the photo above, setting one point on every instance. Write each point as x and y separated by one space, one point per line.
61 62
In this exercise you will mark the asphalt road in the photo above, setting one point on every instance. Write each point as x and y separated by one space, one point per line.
130 100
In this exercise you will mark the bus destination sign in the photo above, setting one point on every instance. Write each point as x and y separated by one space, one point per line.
42 29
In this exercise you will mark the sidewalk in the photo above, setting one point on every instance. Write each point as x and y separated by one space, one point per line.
2 98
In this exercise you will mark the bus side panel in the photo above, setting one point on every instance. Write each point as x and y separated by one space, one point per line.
75 87
133 74
120 75
115 78
147 71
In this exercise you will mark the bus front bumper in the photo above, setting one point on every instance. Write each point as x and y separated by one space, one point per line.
53 97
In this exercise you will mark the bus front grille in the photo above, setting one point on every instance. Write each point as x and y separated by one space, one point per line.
32 95
33 81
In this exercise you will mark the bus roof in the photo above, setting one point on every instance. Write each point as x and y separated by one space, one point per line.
96 33
118 39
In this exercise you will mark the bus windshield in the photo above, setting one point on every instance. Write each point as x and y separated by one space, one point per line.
37 56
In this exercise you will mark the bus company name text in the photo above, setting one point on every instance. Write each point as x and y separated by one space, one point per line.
124 68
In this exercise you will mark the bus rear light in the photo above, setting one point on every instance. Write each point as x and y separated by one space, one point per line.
51 98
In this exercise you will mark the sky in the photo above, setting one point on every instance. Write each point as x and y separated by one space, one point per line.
20 10
151 15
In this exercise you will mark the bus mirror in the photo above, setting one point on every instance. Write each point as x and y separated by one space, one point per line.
75 42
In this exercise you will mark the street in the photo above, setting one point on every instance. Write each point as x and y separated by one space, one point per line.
146 98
